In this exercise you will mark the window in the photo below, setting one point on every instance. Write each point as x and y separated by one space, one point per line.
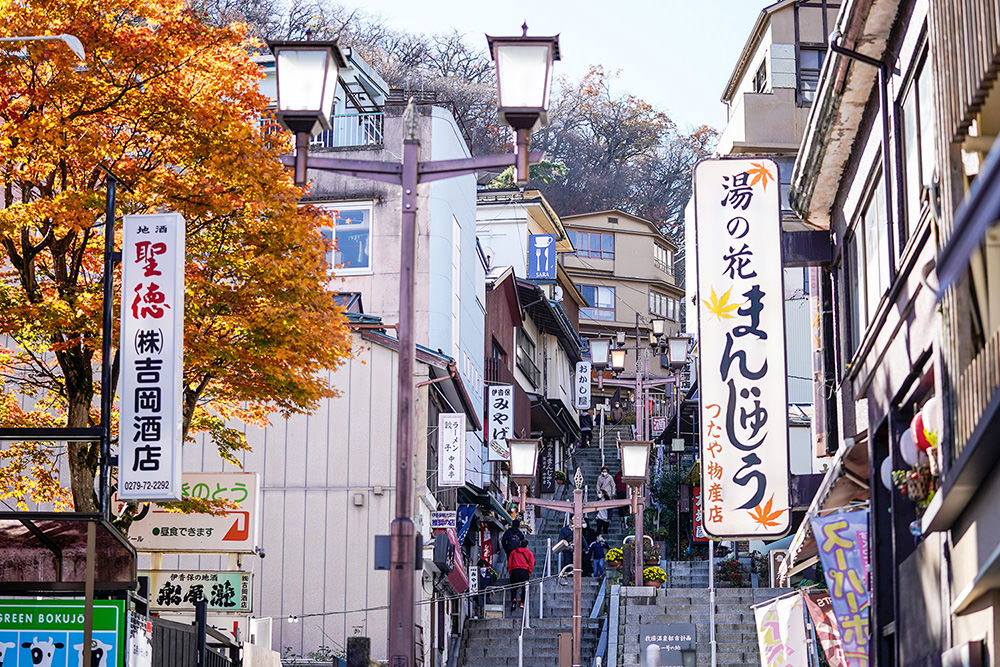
663 259
760 78
526 357
918 144
810 66
351 234
785 166
867 265
660 305
601 302
593 244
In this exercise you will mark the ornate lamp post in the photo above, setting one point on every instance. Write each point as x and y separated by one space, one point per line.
635 467
523 464
306 73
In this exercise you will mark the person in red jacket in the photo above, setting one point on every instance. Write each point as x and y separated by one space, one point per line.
520 564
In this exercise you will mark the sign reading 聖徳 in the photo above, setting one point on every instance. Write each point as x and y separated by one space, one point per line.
744 432
152 345
581 396
451 449
500 421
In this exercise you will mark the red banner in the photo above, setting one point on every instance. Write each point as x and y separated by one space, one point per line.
486 543
821 613
698 528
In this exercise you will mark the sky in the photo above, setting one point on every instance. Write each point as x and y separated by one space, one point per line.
675 54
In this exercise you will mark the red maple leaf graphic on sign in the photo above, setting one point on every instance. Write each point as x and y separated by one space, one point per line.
764 516
760 174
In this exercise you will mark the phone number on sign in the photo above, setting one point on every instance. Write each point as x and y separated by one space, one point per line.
147 485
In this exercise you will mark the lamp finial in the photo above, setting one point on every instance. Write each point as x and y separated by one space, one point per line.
524 29
578 479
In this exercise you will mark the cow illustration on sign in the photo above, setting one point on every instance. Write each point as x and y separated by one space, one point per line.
42 652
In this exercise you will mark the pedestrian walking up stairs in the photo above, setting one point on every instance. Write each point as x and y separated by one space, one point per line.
735 628
493 642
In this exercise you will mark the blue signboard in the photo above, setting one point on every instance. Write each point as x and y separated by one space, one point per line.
542 258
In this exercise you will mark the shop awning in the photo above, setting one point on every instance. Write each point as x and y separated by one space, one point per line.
845 483
46 552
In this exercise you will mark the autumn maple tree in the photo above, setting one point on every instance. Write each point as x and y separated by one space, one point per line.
170 105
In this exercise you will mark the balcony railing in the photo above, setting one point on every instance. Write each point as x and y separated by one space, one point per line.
351 130
975 389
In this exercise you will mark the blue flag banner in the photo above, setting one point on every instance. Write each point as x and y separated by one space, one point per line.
842 542
542 258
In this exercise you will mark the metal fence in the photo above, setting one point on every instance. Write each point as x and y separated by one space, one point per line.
351 130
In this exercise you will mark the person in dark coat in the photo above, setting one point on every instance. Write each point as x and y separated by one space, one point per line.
589 536
586 429
566 557
598 550
520 564
512 537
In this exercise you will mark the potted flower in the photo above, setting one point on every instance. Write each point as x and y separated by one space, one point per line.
731 573
614 557
650 554
654 576
560 477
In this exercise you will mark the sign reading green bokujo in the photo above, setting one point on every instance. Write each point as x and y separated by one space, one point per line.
50 632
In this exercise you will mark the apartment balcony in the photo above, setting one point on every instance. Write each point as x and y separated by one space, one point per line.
352 130
761 121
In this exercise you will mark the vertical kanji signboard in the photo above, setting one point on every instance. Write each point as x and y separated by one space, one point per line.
152 345
744 423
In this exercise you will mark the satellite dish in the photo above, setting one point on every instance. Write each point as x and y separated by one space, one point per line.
557 293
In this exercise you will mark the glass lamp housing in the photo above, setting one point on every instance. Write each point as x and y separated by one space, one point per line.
306 74
635 460
677 349
524 77
599 349
618 360
523 460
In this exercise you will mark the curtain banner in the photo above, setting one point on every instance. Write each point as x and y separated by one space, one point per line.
821 612
781 633
842 542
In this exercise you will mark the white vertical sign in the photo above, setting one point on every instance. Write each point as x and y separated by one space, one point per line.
500 421
152 347
451 449
741 319
581 394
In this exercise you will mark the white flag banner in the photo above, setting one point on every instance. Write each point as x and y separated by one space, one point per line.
451 449
781 633
152 348
741 318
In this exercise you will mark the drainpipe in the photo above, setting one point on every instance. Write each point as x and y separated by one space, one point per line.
883 103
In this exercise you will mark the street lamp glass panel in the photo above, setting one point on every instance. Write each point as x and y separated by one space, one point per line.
524 74
658 323
599 349
306 83
635 460
678 346
618 360
620 337
523 460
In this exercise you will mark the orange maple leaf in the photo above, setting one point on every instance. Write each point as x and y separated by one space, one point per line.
760 174
764 516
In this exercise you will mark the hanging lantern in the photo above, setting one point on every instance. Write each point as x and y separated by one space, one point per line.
885 472
908 447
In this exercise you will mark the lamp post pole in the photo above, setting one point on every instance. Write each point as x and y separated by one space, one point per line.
578 507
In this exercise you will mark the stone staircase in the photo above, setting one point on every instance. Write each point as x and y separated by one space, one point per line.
688 574
735 628
494 641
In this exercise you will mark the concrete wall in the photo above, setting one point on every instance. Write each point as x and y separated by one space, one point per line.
318 543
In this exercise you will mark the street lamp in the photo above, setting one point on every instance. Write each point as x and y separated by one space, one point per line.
599 349
658 324
523 464
407 175
635 470
677 347
524 80
306 74
618 359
